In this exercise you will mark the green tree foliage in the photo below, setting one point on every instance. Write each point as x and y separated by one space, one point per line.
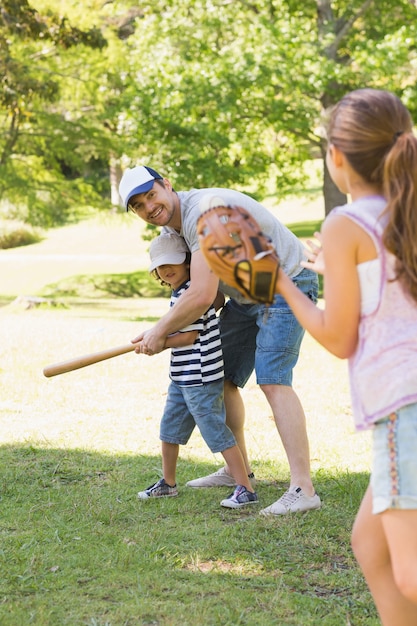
205 102
228 93
366 43
210 92
42 162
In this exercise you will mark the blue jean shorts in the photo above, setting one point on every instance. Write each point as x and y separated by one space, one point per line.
264 338
394 468
202 406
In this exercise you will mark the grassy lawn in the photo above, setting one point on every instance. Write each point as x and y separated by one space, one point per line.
78 548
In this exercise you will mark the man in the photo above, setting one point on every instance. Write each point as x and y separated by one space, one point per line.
266 338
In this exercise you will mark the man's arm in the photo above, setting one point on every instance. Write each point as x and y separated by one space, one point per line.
177 340
190 305
180 340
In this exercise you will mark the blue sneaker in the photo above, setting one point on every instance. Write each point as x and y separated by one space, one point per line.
160 489
240 497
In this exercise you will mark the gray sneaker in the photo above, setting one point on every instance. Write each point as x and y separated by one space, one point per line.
240 497
221 478
292 501
160 489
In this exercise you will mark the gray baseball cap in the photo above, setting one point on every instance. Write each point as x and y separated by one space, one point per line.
167 249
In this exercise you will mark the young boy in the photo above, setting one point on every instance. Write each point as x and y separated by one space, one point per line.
195 394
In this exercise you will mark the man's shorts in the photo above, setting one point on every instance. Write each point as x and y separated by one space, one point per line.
202 405
267 338
394 468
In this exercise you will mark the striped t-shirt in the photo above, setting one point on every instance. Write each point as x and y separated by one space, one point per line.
201 362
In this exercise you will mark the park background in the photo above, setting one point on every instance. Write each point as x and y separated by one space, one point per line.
209 92
78 547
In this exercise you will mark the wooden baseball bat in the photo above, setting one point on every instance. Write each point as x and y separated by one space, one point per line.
88 359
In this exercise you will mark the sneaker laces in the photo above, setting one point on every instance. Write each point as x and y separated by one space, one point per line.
221 472
238 491
289 497
159 483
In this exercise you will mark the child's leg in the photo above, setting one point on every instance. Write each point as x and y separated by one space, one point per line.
170 453
176 427
400 526
237 468
235 418
371 549
206 405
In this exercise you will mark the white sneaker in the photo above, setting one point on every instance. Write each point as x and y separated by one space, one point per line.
221 478
292 501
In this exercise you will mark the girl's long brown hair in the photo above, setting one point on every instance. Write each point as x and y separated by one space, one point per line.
373 129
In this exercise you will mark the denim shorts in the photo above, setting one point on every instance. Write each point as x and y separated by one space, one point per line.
267 338
203 406
394 468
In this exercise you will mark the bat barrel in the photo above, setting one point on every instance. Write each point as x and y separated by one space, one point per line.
85 360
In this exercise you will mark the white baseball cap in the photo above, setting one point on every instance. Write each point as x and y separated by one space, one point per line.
136 180
167 249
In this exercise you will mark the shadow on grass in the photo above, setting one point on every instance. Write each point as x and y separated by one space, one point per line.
78 547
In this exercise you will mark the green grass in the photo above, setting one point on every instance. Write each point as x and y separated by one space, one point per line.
97 287
307 229
124 285
77 546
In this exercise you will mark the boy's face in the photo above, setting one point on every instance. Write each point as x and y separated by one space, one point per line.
174 274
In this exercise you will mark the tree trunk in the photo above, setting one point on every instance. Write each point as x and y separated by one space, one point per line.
332 196
115 175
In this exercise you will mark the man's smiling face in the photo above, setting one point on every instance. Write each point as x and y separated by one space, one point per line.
156 206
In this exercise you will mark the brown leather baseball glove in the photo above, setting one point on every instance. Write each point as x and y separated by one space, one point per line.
238 252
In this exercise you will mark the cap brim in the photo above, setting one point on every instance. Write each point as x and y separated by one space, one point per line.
141 189
164 259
